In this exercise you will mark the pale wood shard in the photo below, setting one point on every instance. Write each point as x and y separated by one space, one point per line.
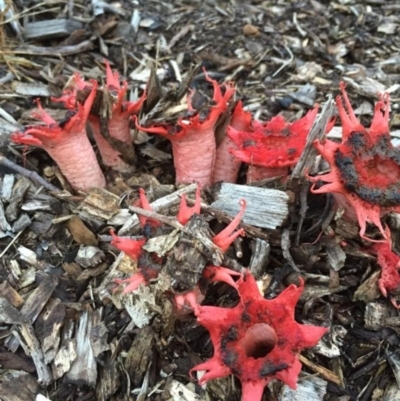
50 29
67 351
259 257
266 208
9 293
317 132
311 388
35 89
48 326
100 204
19 190
83 370
25 336
34 305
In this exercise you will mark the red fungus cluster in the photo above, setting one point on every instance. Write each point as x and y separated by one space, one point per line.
258 340
148 268
67 142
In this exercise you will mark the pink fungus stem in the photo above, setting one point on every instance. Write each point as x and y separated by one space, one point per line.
227 166
68 145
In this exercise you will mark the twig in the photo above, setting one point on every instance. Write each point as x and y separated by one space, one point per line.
286 63
28 173
10 244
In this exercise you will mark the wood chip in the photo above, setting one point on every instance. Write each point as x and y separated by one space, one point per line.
50 29
80 233
266 208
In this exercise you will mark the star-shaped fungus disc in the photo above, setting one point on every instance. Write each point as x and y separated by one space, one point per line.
273 146
258 340
365 167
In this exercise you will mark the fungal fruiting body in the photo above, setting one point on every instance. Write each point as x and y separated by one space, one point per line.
389 262
148 268
227 166
273 146
67 144
365 167
258 340
119 119
193 139
117 110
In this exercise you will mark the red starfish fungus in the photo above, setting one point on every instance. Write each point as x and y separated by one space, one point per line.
227 166
118 124
121 112
365 167
258 340
272 147
390 265
67 144
193 139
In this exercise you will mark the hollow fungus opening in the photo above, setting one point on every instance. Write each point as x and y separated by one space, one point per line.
259 340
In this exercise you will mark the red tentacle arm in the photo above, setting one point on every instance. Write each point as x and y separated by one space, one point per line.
68 145
226 237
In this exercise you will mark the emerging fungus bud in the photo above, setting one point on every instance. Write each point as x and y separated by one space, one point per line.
272 147
365 167
193 139
67 144
227 166
258 340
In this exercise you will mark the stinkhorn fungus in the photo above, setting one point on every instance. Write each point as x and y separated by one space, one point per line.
258 340
67 144
193 139
118 121
273 146
365 166
227 166
389 262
